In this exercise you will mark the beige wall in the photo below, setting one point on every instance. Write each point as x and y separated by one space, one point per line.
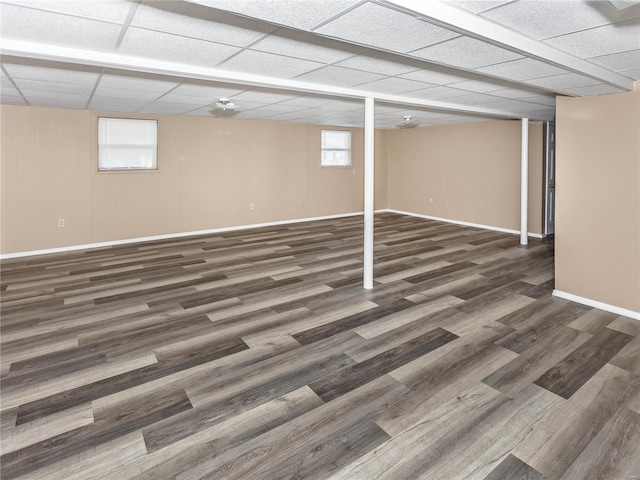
598 198
210 170
471 171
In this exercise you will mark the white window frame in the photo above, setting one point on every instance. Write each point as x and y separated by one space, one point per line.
120 151
328 152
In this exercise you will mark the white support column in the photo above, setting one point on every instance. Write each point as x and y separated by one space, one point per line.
524 184
369 125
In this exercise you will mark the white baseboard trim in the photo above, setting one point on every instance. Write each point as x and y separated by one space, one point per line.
594 303
169 236
466 224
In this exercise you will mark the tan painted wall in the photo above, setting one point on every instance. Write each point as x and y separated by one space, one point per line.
210 170
598 198
471 171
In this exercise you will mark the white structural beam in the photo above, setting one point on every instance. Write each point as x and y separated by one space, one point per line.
524 184
475 26
369 165
76 56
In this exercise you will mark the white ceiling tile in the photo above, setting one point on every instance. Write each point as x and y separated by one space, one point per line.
54 87
547 100
207 90
302 14
175 48
56 29
40 95
378 26
9 91
615 38
57 103
522 69
109 106
393 85
104 10
136 81
126 93
474 98
477 6
438 93
166 108
383 63
277 109
560 82
195 101
519 93
437 76
262 96
339 76
261 63
619 61
306 101
478 86
634 73
41 70
465 52
130 103
12 100
293 43
196 21
591 90
543 19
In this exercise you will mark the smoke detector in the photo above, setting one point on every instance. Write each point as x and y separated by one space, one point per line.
225 104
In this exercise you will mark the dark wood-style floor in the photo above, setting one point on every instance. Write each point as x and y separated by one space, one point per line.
257 355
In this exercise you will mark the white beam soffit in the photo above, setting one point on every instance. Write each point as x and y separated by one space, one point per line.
41 51
466 23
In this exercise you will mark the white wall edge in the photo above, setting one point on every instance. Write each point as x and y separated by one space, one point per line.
169 236
466 224
594 303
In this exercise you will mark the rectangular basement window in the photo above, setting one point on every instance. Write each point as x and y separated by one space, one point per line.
336 148
127 144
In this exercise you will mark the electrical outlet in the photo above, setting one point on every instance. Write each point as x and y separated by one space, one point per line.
61 222
252 206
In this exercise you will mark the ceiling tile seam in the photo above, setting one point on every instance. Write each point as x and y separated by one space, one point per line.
337 15
495 7
93 90
53 12
126 24
10 78
587 29
246 47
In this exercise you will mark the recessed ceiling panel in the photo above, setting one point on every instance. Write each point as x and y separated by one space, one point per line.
196 21
385 64
305 45
125 93
344 77
54 87
262 96
478 86
465 52
174 48
477 6
616 38
544 19
522 69
437 76
619 61
54 72
268 64
372 24
560 82
207 90
393 85
136 82
302 14
56 29
104 10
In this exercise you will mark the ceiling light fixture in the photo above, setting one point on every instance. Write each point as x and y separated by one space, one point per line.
225 104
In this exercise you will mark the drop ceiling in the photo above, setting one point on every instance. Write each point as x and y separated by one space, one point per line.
313 61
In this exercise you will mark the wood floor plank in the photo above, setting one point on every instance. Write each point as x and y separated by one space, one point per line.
568 375
257 354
